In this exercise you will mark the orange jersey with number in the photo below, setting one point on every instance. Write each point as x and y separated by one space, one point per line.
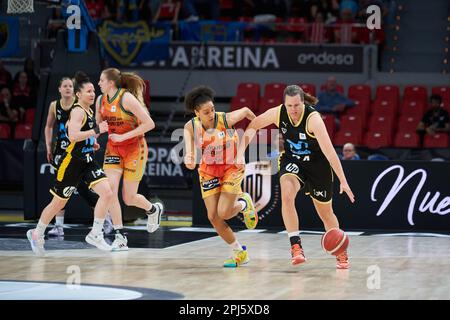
218 145
119 120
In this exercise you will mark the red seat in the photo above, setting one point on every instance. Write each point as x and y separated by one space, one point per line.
249 90
406 139
330 124
274 90
377 139
296 24
389 92
383 123
408 123
446 105
350 122
344 136
443 91
413 108
417 93
360 92
5 131
147 94
309 88
23 131
361 110
29 116
267 103
385 106
240 102
339 88
440 140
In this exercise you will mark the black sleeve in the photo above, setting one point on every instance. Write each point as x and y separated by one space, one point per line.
426 119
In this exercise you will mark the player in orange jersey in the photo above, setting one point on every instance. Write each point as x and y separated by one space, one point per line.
122 106
212 134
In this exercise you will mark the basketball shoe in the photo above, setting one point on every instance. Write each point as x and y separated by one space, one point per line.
120 243
240 257
154 218
56 231
36 242
297 254
249 212
98 241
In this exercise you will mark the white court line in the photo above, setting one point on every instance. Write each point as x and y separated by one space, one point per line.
252 231
412 234
349 233
136 227
196 229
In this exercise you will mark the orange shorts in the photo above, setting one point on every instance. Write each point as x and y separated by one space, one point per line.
229 182
130 159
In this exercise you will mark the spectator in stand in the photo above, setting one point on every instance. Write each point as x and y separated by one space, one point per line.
97 9
345 32
435 120
330 9
6 113
349 152
5 77
23 95
319 32
127 10
191 9
167 10
331 101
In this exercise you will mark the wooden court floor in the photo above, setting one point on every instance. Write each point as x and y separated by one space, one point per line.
382 267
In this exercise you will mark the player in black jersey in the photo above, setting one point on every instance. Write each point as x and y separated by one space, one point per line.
78 165
58 112
308 161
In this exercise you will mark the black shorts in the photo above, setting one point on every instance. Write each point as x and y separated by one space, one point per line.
316 177
58 154
71 172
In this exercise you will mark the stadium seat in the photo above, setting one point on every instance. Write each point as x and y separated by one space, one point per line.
267 103
383 123
239 102
377 139
343 136
389 92
440 140
443 91
352 122
5 131
309 88
405 139
361 110
414 108
23 131
408 123
417 93
360 92
385 106
274 90
339 88
29 116
249 90
330 124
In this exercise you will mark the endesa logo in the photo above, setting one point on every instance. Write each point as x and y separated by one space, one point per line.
326 58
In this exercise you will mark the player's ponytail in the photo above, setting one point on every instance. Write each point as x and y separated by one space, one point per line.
127 80
294 90
309 99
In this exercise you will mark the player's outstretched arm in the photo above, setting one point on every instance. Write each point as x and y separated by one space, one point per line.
239 115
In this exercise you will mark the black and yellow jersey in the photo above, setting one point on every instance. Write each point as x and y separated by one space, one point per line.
84 150
62 116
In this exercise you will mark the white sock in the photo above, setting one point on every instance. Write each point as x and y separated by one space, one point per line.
59 221
236 246
293 234
243 204
97 226
118 226
40 228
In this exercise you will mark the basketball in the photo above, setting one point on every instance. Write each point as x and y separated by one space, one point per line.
335 241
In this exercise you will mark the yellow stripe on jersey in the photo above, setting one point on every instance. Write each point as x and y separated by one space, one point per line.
65 162
307 131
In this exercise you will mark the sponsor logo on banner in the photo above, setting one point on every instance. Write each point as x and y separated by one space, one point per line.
430 204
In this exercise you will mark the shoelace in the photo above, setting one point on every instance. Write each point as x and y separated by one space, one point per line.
342 257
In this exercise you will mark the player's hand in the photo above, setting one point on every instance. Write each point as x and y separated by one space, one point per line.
103 126
189 161
49 156
114 137
345 188
96 146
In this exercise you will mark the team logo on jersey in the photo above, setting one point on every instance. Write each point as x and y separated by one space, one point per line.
302 136
221 135
67 192
292 168
112 160
299 149
318 193
284 130
113 108
284 123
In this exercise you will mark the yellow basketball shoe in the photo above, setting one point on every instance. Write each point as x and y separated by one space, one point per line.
240 257
249 213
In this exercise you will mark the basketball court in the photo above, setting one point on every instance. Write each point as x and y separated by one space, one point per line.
186 263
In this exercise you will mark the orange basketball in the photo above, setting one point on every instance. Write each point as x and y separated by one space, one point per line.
335 241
